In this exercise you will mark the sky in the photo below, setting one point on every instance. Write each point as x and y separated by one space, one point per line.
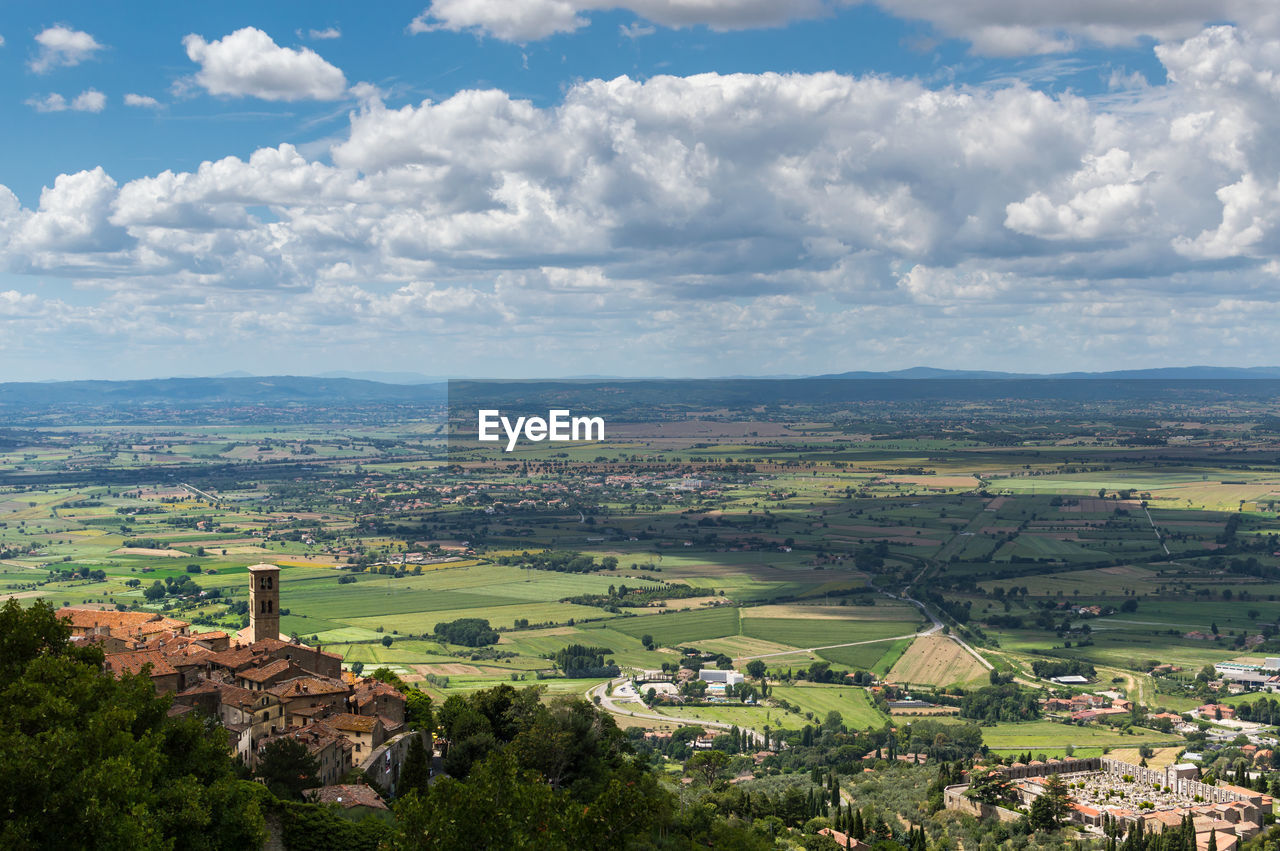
538 188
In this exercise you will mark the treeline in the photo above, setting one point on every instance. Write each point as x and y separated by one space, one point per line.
634 598
579 660
469 632
1047 669
1265 710
1005 702
559 561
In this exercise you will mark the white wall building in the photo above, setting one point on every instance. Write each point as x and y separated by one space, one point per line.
728 678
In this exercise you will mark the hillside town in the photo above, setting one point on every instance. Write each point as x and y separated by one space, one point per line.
261 688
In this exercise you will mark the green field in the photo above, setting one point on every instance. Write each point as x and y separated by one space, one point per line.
818 632
851 702
676 628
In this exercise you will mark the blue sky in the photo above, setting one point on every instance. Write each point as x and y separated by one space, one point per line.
678 187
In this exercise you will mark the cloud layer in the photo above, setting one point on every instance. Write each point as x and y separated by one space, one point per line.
798 222
993 27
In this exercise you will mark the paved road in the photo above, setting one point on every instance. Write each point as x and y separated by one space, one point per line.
195 490
937 625
613 704
1155 529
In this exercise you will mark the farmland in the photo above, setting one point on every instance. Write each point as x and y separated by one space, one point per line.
814 546
935 660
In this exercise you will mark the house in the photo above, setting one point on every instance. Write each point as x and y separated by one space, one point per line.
163 676
728 678
1215 711
264 676
307 698
331 750
844 840
87 620
365 732
374 697
361 798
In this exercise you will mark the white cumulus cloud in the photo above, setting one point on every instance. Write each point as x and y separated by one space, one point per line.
1018 28
90 100
531 20
993 27
678 221
60 47
144 101
248 63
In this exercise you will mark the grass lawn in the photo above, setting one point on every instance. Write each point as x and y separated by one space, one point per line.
850 701
1033 735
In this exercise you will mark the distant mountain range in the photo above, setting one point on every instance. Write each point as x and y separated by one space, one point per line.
1172 373
258 390
413 388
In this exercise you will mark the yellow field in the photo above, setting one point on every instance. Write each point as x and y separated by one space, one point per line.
937 660
1162 757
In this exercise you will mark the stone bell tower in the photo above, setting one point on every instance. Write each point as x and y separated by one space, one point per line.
264 601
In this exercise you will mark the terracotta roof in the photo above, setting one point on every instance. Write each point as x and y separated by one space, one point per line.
202 687
134 661
268 645
1169 818
131 622
1240 790
352 723
242 698
316 736
266 672
234 659
346 796
307 686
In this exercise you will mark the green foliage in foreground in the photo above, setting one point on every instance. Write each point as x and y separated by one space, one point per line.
532 775
91 761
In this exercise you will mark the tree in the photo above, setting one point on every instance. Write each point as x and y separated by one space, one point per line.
707 765
415 773
94 761
155 592
1050 810
756 669
469 632
386 641
287 767
357 668
647 641
417 711
991 788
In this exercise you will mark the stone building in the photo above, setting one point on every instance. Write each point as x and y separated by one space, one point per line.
264 602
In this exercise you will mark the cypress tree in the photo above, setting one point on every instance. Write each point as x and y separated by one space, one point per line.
415 774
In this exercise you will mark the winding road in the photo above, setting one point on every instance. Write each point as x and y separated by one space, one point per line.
610 703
